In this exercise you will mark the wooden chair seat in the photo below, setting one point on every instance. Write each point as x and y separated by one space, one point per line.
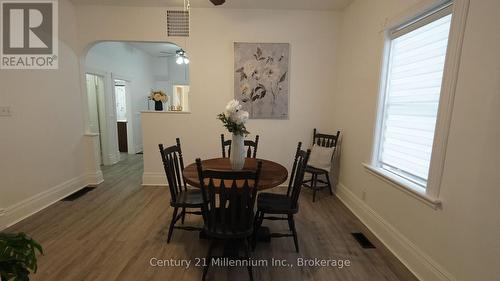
189 199
272 203
311 169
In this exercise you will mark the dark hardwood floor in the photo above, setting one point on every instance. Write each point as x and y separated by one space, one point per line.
113 231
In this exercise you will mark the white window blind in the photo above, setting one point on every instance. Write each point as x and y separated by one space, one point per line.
412 90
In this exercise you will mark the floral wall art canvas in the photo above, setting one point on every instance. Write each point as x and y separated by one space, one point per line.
261 76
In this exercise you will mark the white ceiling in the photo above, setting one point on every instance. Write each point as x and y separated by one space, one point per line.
230 4
155 49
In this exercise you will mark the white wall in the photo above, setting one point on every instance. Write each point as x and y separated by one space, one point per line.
161 79
41 144
211 74
459 242
123 61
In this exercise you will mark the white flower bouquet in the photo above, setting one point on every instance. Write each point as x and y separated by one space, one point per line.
234 118
158 96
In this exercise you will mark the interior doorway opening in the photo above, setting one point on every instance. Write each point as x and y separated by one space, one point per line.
122 123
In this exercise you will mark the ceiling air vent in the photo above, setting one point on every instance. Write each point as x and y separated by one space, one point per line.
178 23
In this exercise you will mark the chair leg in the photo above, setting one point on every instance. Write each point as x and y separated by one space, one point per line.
247 256
172 223
183 215
305 182
259 218
208 260
314 184
255 229
291 224
328 182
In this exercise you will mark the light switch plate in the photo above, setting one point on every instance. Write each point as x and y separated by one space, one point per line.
5 111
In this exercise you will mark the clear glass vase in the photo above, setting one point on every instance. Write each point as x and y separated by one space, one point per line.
237 157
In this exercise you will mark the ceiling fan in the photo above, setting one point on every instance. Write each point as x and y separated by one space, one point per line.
181 55
217 2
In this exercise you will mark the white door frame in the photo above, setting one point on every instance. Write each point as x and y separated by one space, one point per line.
108 152
111 154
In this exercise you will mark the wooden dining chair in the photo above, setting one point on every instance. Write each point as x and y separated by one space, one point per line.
228 209
250 144
180 196
284 204
323 140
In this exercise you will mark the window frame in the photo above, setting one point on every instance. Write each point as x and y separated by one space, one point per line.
459 9
414 24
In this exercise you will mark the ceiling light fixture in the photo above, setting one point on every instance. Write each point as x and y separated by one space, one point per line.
181 57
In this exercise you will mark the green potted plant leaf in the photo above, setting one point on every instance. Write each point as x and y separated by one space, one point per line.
18 256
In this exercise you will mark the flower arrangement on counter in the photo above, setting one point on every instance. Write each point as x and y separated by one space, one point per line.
234 118
159 97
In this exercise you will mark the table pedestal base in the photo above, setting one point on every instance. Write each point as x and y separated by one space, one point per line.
264 234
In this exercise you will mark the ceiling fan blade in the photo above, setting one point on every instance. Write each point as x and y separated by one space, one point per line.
218 2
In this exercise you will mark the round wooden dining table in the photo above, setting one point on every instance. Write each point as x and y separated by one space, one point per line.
272 174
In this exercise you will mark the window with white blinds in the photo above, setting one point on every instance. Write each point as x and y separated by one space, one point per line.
414 74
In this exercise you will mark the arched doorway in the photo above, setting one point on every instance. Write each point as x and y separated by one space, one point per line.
119 77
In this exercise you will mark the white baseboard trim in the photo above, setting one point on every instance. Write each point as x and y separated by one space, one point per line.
95 178
34 204
115 157
154 179
418 262
138 148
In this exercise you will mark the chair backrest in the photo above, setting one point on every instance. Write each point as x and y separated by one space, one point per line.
173 165
250 144
325 140
297 174
229 198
